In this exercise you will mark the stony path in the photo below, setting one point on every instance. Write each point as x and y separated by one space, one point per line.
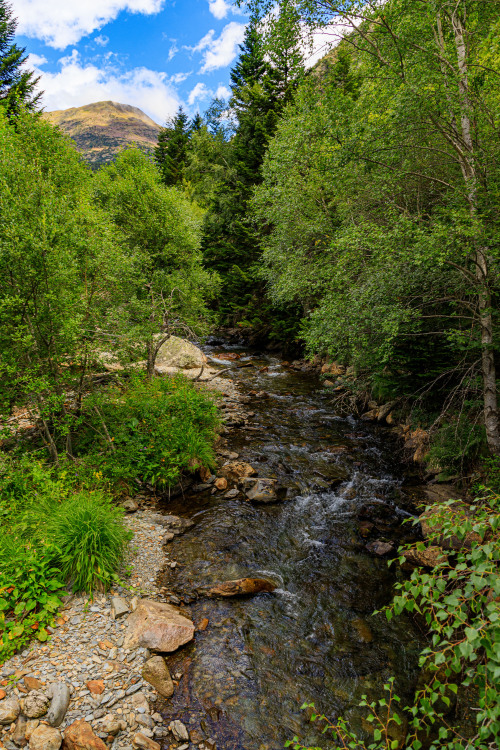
86 653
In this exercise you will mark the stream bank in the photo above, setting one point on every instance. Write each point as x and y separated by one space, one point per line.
253 661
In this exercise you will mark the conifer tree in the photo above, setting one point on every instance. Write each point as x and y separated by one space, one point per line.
170 153
17 84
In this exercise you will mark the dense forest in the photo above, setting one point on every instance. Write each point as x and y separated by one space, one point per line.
346 213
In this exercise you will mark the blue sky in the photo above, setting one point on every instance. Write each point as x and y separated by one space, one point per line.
154 54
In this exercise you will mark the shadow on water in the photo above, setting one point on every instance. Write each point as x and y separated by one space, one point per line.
315 638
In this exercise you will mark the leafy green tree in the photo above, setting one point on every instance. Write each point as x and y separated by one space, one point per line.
161 228
17 84
415 155
170 152
61 269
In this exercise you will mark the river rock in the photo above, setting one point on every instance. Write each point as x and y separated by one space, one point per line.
96 687
221 483
380 548
179 731
235 470
363 632
35 704
111 725
9 710
145 743
119 607
175 524
19 733
45 738
427 557
435 519
79 736
155 671
157 626
32 683
31 725
242 587
129 505
177 352
260 490
60 694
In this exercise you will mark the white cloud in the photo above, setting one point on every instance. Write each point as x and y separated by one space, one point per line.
223 92
35 60
219 8
199 93
180 77
101 40
172 51
77 84
60 23
220 52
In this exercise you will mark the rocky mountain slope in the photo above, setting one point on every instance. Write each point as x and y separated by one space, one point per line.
102 129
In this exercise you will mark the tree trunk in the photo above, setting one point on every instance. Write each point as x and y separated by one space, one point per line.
469 171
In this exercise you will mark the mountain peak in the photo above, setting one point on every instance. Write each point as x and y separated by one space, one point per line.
102 129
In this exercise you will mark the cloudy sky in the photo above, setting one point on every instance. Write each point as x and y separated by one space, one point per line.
154 54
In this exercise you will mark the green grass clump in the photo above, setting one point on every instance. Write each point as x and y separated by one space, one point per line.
149 430
89 540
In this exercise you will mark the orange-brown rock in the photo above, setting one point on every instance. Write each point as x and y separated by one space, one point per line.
221 483
157 626
2 694
203 624
242 587
235 470
79 736
428 557
96 687
32 683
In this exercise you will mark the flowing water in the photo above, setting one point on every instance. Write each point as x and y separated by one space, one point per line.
314 639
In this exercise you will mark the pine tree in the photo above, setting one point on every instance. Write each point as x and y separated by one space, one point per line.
17 85
196 124
170 153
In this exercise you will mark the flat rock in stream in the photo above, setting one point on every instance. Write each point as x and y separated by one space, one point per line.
260 490
175 524
242 587
235 470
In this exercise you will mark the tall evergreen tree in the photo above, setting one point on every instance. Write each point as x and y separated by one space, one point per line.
261 86
17 84
170 153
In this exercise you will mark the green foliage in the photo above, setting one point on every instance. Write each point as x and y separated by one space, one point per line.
170 153
17 84
457 444
29 594
156 429
167 289
87 539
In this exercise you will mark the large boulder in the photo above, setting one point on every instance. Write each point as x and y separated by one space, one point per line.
242 587
157 626
177 352
79 736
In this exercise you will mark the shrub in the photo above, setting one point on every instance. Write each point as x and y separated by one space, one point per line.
29 598
88 540
150 430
